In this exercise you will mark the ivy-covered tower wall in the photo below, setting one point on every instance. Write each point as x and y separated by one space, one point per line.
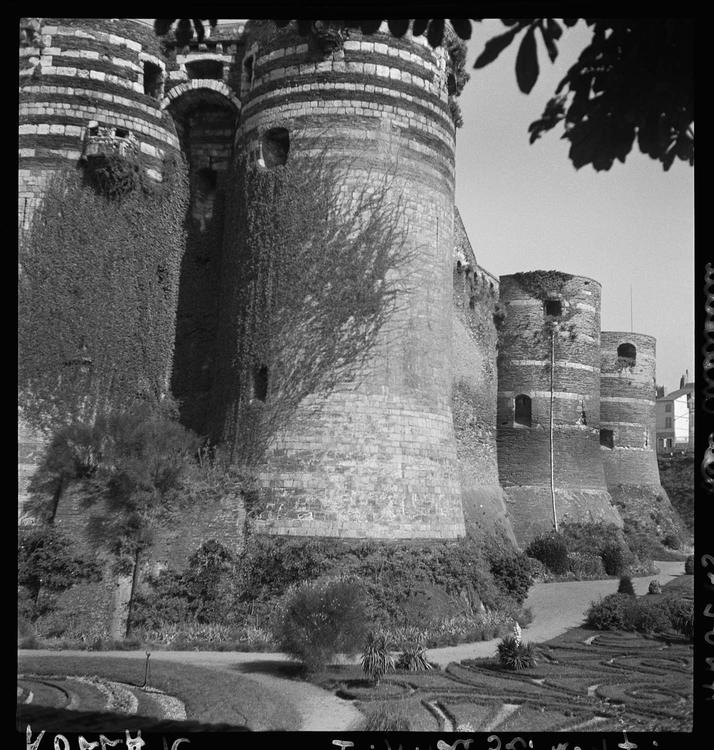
377 457
476 309
550 316
628 430
85 84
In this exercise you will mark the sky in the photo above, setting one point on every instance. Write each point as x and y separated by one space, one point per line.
525 207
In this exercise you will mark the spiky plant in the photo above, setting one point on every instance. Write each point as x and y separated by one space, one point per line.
516 655
376 657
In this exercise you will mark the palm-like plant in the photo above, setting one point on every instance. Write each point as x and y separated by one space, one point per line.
377 660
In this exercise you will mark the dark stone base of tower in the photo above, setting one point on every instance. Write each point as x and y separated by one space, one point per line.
531 509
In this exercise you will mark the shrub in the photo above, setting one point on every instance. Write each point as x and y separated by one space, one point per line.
589 538
672 541
626 586
384 716
516 655
615 558
377 659
689 565
47 565
536 568
413 656
654 587
681 615
550 549
609 612
585 566
319 619
512 575
646 618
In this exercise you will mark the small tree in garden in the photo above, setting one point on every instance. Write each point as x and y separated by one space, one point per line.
625 586
320 619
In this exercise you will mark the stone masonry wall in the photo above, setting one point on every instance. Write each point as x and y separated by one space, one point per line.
627 409
474 393
377 458
524 370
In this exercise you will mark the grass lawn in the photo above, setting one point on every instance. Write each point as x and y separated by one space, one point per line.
211 696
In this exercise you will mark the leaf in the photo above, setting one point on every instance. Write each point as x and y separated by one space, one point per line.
435 33
527 62
419 26
495 46
184 32
163 25
554 28
198 25
462 27
304 26
398 27
550 45
371 26
281 23
570 22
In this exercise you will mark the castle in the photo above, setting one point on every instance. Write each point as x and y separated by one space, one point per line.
484 403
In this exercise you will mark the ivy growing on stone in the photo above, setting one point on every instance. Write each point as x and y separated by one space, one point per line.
99 275
311 274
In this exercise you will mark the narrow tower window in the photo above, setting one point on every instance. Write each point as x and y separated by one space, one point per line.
607 438
553 307
260 383
522 410
627 355
153 79
275 147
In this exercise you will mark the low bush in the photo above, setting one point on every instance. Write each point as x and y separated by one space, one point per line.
589 538
551 550
512 574
689 565
536 568
646 617
609 612
672 541
654 587
386 716
615 558
585 566
413 652
376 659
515 655
625 586
681 615
320 619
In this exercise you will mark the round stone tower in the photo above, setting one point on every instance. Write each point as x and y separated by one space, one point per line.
376 457
548 409
628 429
87 87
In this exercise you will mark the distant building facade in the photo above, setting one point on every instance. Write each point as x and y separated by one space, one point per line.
675 420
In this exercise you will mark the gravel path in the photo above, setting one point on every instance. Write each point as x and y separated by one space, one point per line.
556 607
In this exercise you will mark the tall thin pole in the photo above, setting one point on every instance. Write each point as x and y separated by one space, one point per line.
552 462
631 326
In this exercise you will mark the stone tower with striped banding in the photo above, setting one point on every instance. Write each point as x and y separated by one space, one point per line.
550 317
628 430
378 460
